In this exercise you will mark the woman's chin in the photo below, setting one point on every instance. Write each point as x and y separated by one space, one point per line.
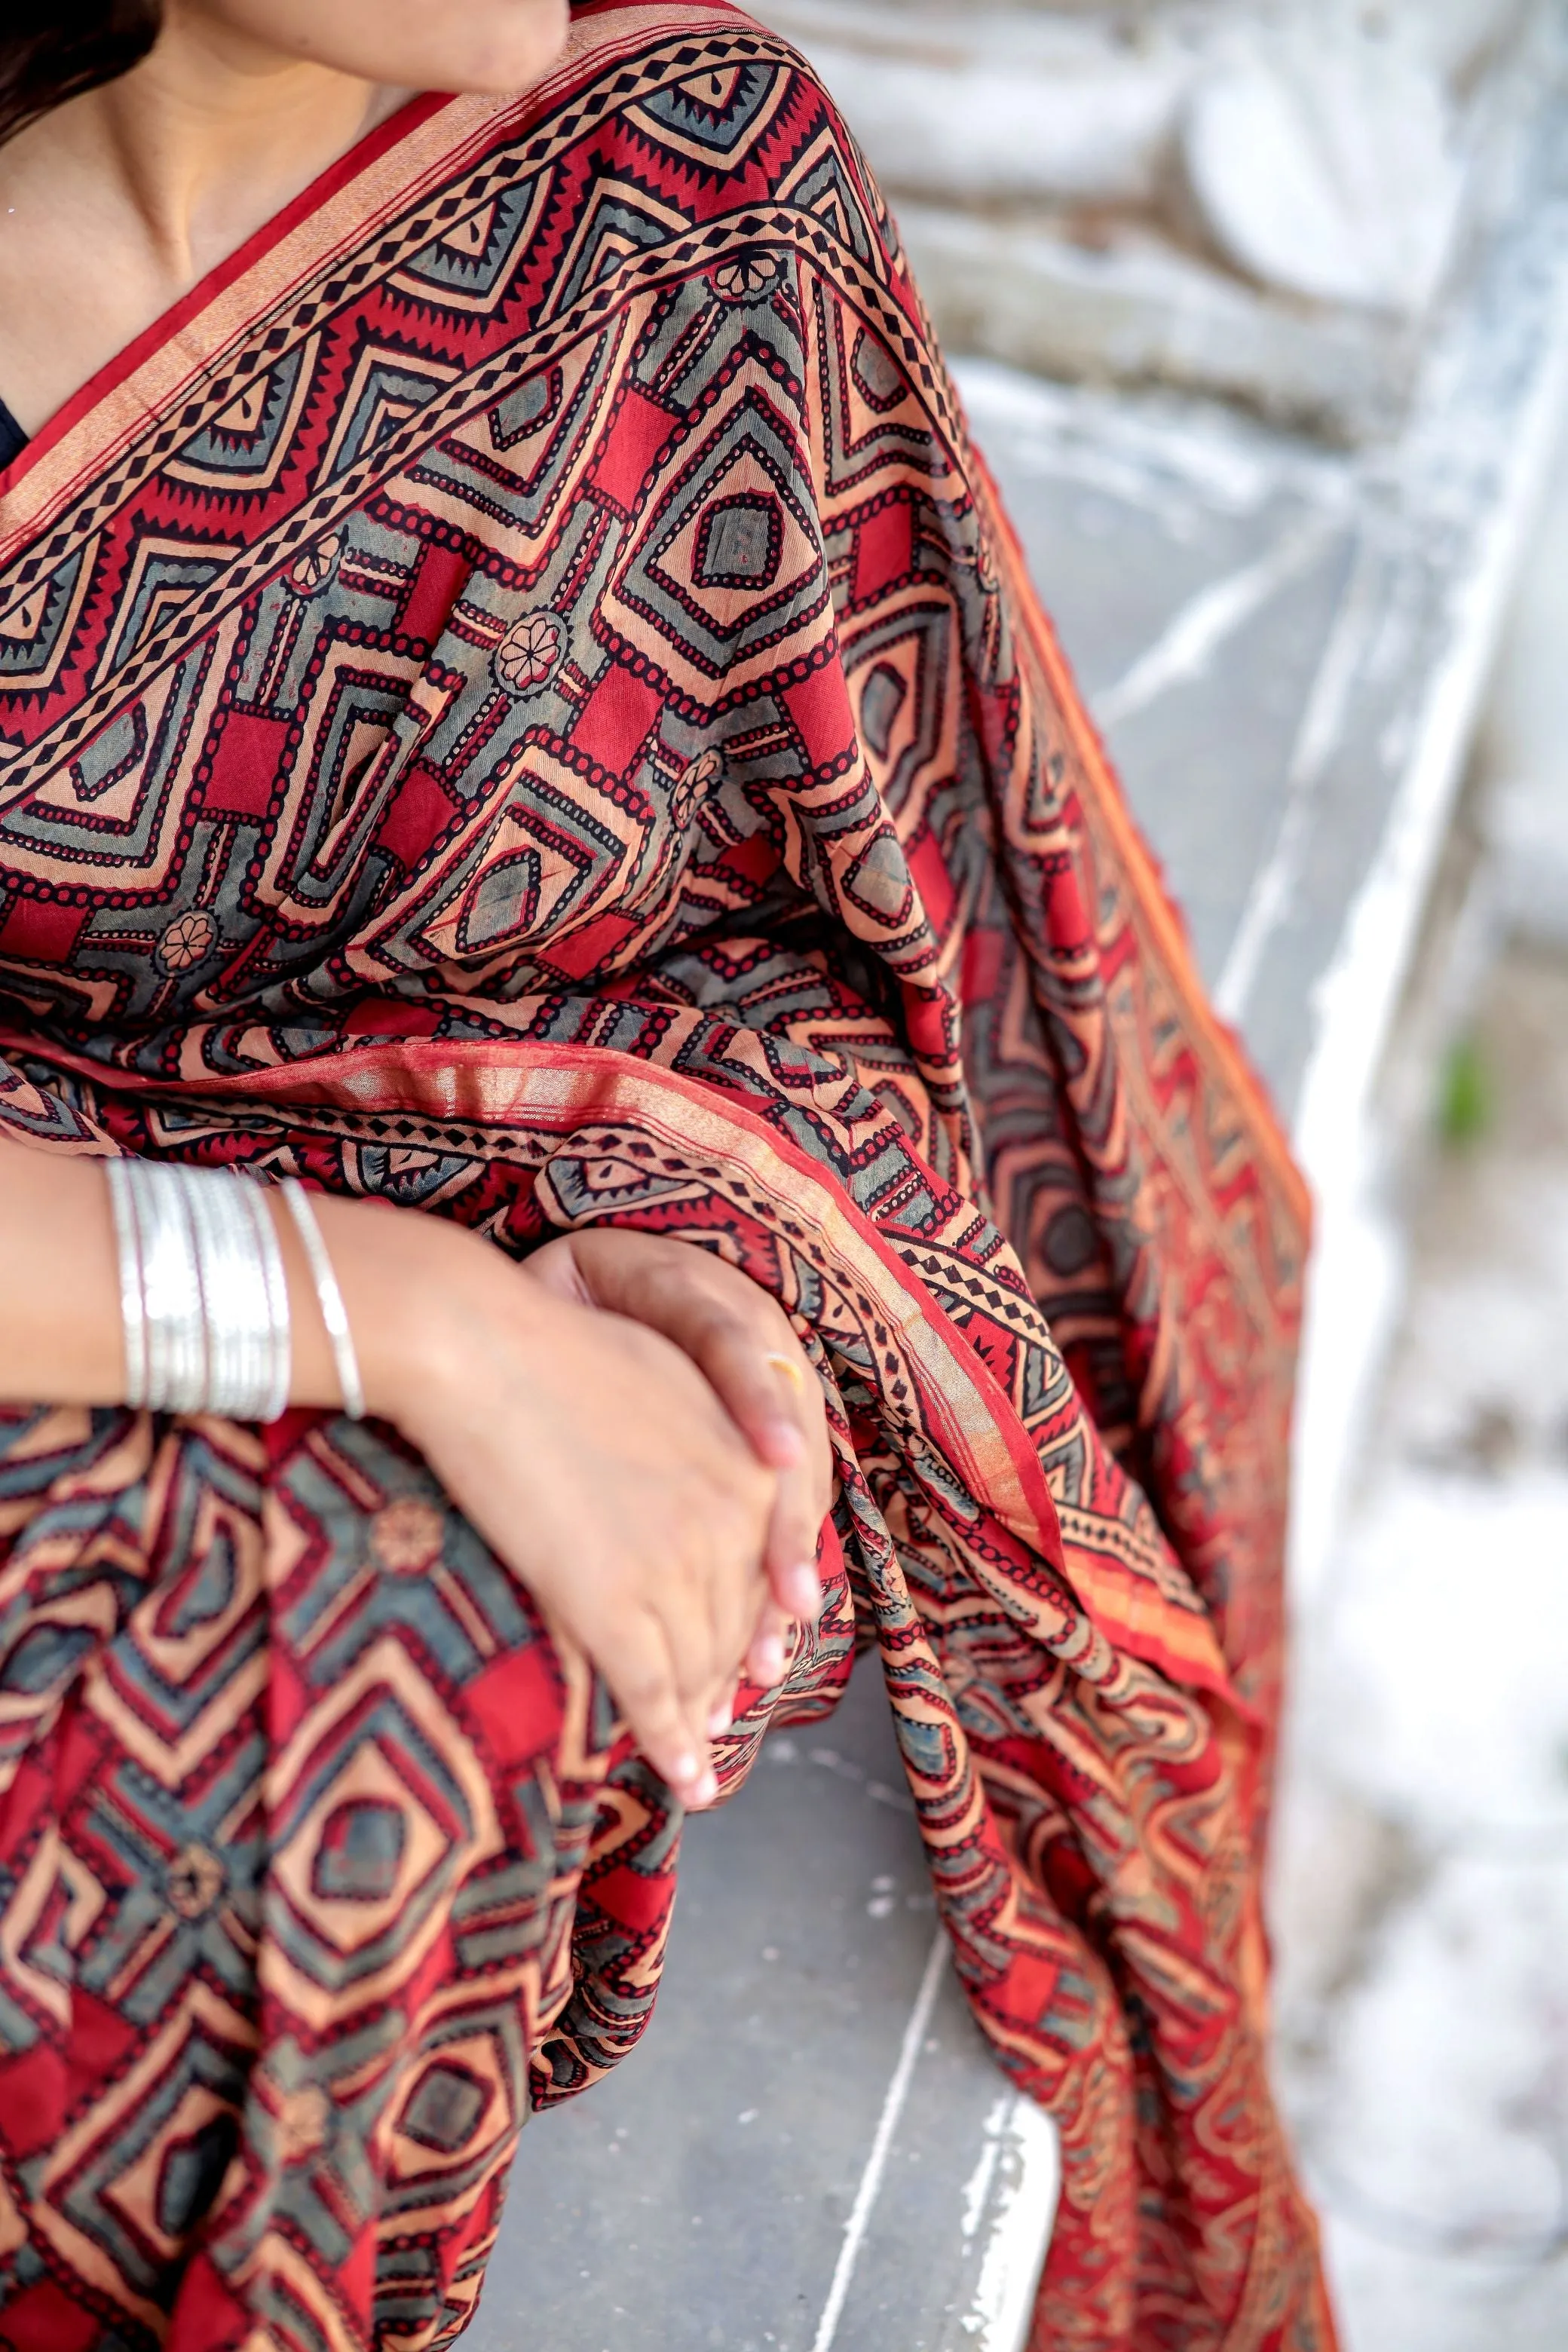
487 48
497 72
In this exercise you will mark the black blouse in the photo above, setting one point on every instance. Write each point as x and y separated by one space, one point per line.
13 440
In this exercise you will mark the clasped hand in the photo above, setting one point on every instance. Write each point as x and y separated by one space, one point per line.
634 1427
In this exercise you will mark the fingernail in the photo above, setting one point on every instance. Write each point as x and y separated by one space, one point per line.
805 1586
771 1660
684 1770
706 1793
721 1720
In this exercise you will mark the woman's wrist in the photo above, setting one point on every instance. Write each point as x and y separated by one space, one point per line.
416 1290
60 1279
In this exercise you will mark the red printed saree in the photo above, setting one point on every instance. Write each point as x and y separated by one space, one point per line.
518 700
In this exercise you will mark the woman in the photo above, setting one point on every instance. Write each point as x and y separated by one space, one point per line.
521 726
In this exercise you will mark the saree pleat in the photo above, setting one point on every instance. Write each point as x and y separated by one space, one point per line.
519 701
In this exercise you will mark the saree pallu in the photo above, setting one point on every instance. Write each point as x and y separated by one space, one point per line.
517 700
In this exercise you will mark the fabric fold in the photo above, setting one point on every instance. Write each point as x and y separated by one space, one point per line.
524 704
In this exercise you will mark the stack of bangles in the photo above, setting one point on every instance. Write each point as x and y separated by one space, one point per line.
205 1296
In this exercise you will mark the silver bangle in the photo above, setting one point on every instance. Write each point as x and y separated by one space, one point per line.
133 1300
227 1302
171 1291
329 1297
245 1295
203 1291
275 1276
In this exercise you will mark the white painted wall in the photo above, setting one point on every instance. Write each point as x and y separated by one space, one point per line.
1524 744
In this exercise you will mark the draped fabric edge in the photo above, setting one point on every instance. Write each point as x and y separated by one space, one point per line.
534 1086
418 147
1155 906
567 1086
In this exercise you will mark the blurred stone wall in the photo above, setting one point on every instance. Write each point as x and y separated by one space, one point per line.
1261 200
1524 741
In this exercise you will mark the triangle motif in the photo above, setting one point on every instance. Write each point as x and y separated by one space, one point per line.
244 438
33 623
719 109
164 579
474 258
384 398
472 238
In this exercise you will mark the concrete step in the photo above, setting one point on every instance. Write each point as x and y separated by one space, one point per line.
812 2148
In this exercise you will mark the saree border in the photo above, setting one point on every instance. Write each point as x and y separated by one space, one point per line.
419 146
1152 898
313 301
490 1083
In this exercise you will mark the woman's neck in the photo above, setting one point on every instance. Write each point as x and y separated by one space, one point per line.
116 205
208 137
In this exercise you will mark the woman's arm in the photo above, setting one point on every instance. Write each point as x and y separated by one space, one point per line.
61 1333
588 1449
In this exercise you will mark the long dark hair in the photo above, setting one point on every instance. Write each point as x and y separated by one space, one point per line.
53 49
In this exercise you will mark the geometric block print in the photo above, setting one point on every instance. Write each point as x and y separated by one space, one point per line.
547 726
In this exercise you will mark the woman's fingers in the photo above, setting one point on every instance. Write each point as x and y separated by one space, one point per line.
734 1606
767 1384
767 1661
795 1532
776 1399
601 1465
735 1334
639 1663
743 1343
733 1330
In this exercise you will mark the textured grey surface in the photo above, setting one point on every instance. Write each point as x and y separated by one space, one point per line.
697 2200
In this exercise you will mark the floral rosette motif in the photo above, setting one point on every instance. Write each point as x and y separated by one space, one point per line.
317 567
747 276
187 941
530 653
699 778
